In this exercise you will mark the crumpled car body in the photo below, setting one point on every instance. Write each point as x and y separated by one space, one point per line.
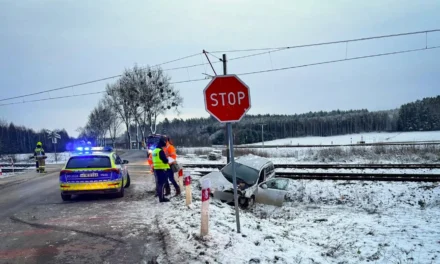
251 171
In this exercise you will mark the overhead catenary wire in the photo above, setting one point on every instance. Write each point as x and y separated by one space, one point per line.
259 72
330 42
336 61
266 51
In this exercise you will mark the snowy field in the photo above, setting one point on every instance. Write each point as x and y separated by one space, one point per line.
351 154
354 138
25 158
323 222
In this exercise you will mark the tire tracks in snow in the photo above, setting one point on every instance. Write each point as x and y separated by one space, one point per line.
63 229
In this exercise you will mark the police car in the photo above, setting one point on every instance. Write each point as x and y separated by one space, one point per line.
94 170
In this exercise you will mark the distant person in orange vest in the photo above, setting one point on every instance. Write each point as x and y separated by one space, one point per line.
170 151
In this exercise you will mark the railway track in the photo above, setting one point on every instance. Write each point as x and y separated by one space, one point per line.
331 166
13 170
19 165
408 177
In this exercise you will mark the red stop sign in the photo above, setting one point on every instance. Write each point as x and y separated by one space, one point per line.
227 98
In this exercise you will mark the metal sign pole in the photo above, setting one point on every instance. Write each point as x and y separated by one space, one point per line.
228 143
234 178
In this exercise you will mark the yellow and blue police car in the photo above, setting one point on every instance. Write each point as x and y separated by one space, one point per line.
94 170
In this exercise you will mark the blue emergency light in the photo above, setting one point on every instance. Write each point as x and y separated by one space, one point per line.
88 150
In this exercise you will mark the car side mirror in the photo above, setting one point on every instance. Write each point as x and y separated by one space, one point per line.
125 162
263 186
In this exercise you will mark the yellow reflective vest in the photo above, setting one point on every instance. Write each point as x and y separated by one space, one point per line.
158 164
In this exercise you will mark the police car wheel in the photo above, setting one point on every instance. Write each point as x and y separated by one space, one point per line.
128 181
120 194
66 197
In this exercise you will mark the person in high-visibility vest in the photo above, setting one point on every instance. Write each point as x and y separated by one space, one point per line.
170 151
161 169
39 161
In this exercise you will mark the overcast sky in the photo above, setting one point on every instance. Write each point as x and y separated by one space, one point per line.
46 44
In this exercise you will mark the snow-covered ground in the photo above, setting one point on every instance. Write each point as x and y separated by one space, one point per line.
323 222
25 158
354 138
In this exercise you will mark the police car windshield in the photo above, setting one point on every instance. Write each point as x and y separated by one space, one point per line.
83 162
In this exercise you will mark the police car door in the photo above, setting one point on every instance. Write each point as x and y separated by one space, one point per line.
272 192
120 166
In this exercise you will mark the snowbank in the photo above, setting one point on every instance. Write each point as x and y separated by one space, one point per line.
61 158
323 222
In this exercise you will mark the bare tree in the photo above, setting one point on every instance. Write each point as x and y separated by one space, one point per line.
118 99
157 96
149 94
114 122
98 123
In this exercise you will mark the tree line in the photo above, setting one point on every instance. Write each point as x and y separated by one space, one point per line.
19 139
421 115
141 95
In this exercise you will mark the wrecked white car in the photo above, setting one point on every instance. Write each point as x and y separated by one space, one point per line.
253 182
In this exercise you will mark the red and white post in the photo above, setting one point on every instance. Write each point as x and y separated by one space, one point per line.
187 182
204 228
180 179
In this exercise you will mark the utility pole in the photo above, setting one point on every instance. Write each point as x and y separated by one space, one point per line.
262 133
228 156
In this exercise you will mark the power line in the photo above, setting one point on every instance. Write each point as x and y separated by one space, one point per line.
179 59
331 42
85 94
53 98
61 88
267 50
90 82
341 60
258 72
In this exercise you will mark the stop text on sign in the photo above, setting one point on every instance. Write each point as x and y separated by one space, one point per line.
227 98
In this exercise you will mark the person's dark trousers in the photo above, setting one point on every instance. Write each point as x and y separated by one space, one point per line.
36 165
157 183
161 176
167 188
173 181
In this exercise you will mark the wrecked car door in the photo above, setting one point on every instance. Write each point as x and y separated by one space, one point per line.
272 192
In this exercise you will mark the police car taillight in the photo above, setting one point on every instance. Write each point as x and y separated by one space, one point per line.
65 172
115 170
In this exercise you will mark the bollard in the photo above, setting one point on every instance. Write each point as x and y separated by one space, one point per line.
187 182
180 179
204 228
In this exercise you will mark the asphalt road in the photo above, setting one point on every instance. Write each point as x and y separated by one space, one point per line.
36 226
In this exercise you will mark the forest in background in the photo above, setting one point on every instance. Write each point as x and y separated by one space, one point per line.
421 115
19 139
